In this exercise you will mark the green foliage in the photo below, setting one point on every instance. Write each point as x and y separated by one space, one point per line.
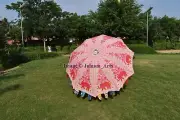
17 57
34 49
14 32
66 48
1 54
163 45
45 20
38 16
1 67
14 58
141 49
69 49
120 19
40 55
3 32
73 47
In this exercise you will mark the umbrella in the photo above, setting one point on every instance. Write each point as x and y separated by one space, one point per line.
99 65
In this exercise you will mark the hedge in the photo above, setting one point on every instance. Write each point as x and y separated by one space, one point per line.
141 49
164 45
13 59
40 55
35 48
17 58
137 48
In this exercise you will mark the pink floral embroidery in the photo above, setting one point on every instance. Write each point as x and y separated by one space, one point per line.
75 54
119 73
105 38
94 39
104 82
85 83
122 74
105 85
124 57
107 61
128 59
111 54
81 61
117 44
84 44
73 71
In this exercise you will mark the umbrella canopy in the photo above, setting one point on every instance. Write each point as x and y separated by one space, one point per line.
99 65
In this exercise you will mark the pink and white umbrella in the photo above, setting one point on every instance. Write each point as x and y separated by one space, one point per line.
99 65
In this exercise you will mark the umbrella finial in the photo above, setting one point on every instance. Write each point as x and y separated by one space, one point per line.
96 52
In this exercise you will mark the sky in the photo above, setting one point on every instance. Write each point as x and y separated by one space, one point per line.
160 7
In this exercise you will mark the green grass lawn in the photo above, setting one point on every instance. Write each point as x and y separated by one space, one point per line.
39 90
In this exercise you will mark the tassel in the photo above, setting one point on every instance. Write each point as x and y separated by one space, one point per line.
112 93
76 92
89 97
83 94
100 97
106 95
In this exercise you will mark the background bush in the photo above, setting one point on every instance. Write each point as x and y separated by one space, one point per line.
14 58
17 57
141 49
69 49
40 55
162 45
34 48
73 47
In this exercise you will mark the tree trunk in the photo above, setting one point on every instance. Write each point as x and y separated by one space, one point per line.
44 40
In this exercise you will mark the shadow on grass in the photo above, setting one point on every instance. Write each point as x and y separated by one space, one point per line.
10 88
9 77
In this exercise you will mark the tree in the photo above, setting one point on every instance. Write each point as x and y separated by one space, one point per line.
38 16
3 38
119 19
3 32
166 27
14 31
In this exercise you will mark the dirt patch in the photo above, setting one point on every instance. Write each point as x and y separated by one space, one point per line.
168 51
